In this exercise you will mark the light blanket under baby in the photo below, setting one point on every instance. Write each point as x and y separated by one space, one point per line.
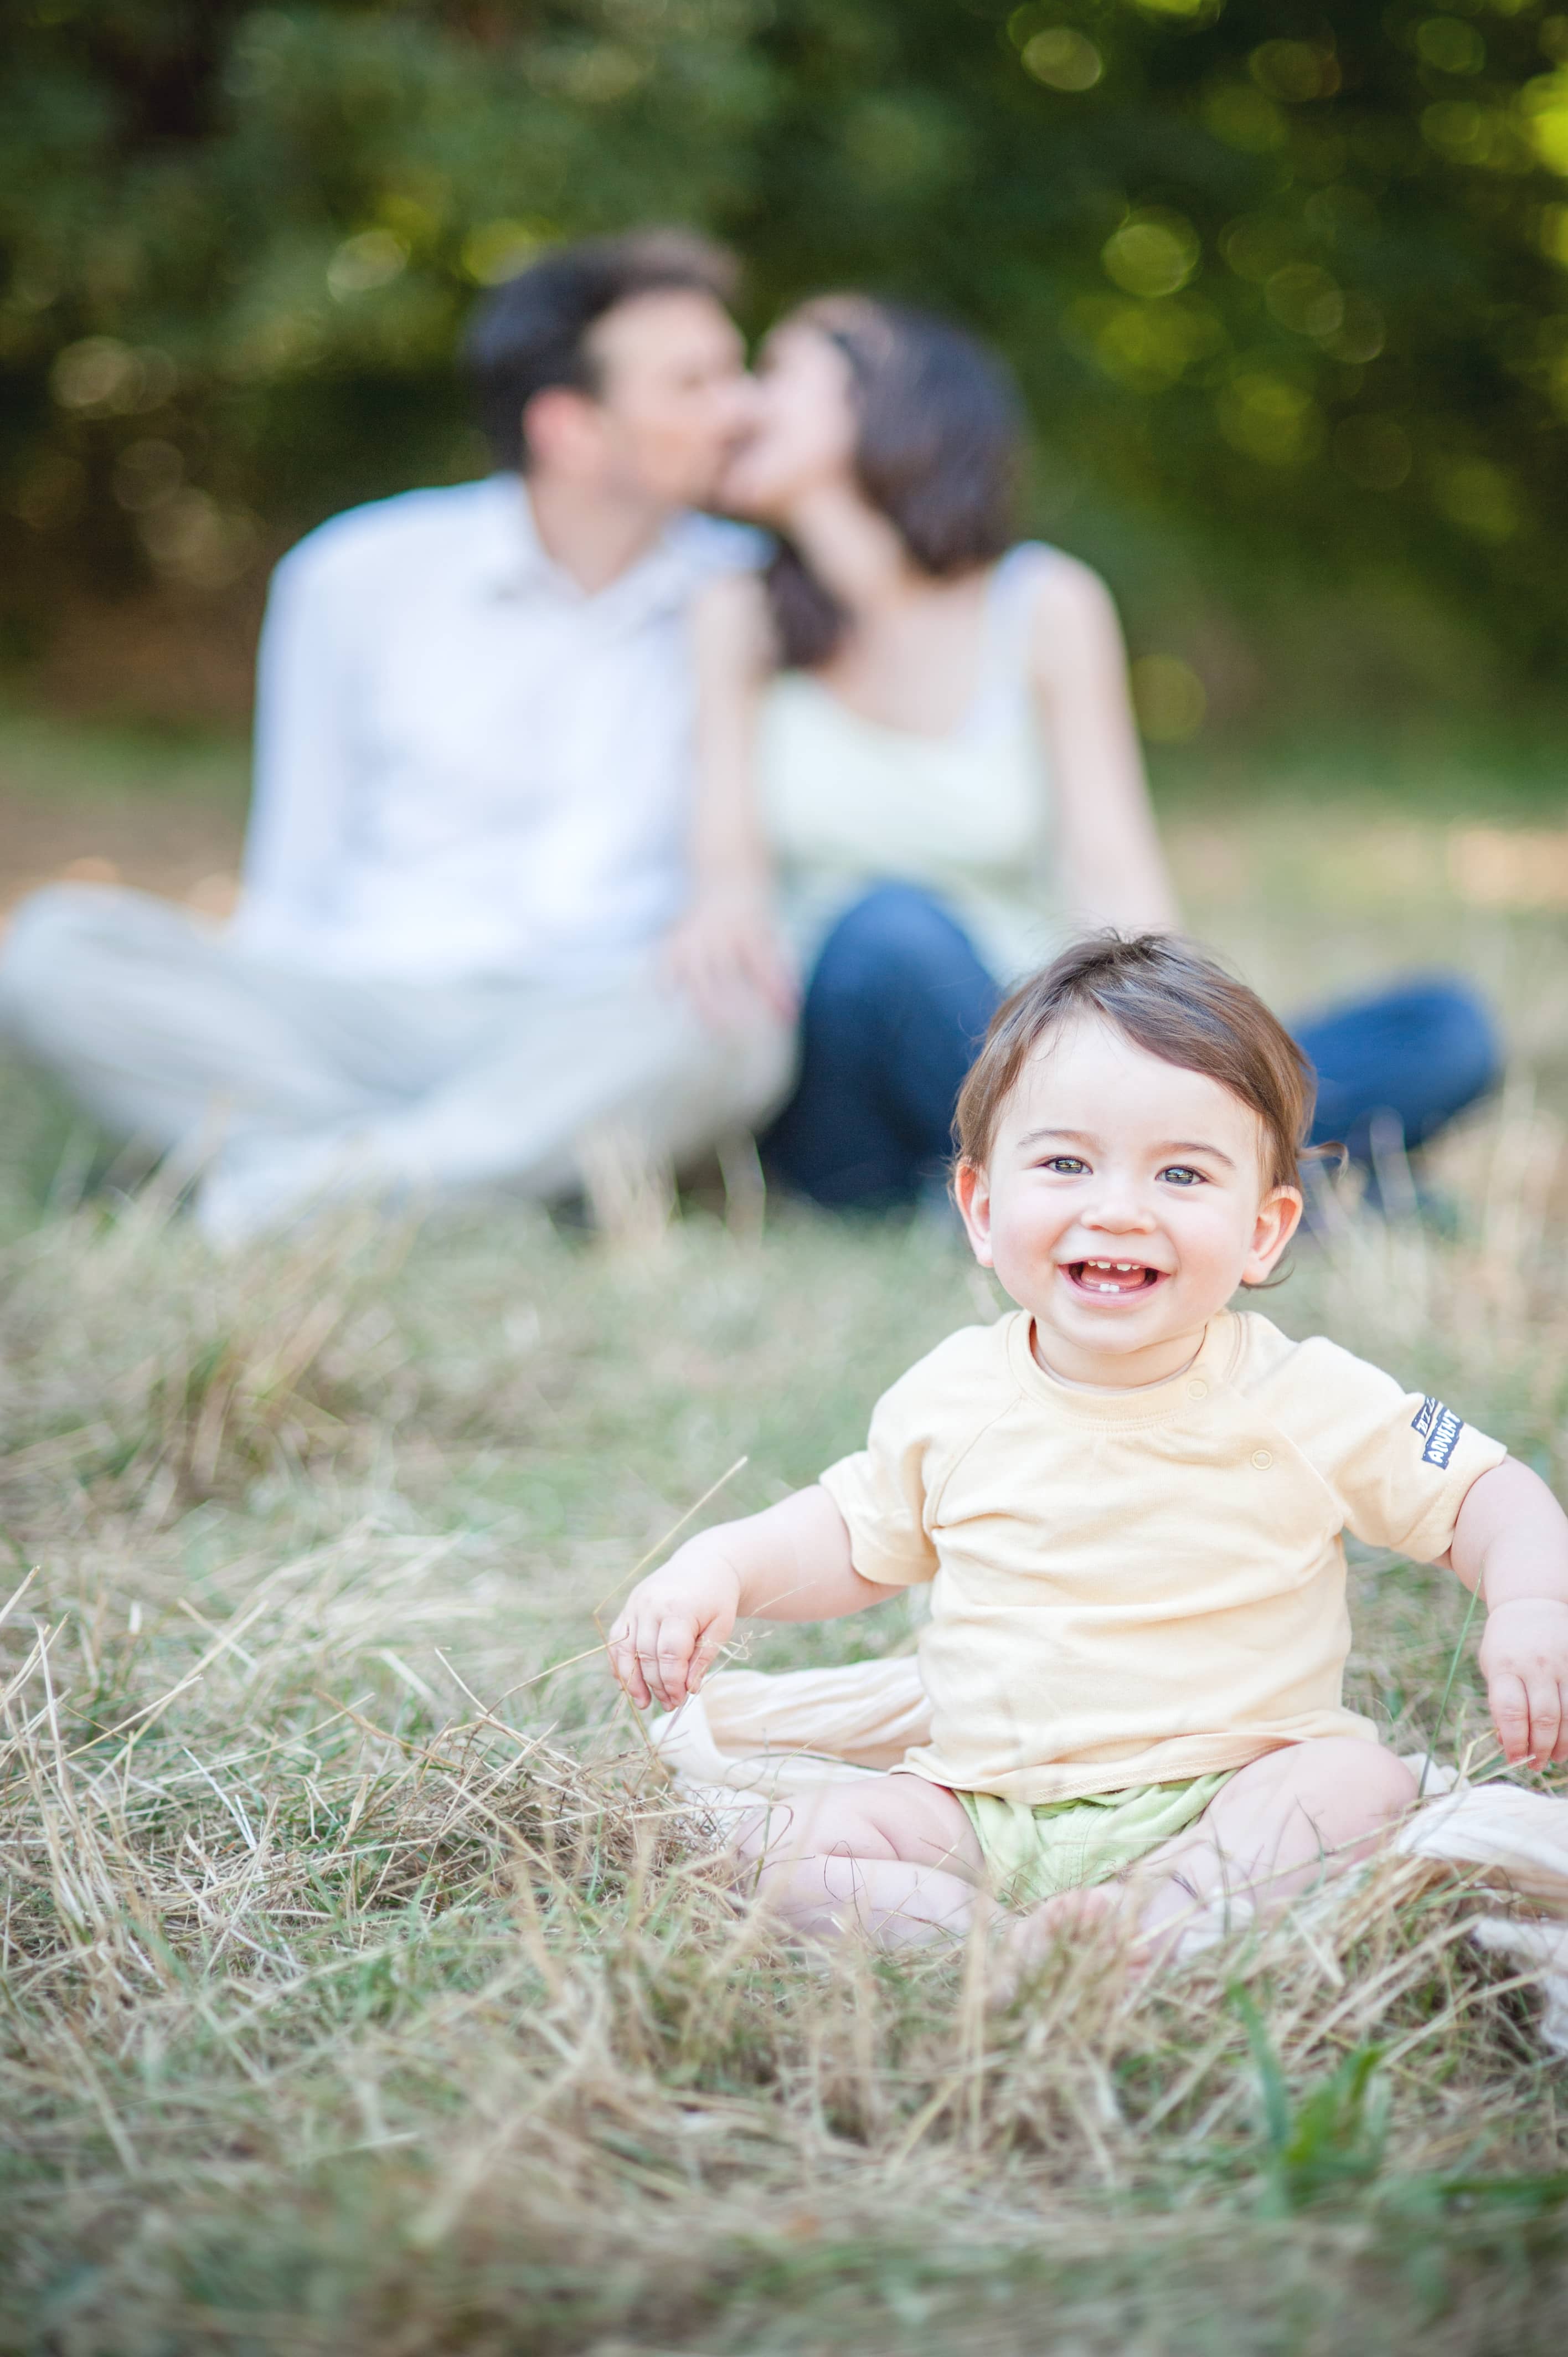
752 1736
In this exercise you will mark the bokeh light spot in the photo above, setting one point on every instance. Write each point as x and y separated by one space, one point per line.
1063 60
1245 118
1255 247
498 250
1486 135
1269 418
372 258
1145 346
1543 106
1361 334
281 343
97 374
1305 299
1153 255
192 540
1478 497
1450 45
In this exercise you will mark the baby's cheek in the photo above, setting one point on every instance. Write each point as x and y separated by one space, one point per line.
1216 1250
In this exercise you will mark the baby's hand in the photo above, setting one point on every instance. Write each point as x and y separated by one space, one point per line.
674 1625
1524 1659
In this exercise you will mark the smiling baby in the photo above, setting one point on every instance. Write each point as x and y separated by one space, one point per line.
1128 1501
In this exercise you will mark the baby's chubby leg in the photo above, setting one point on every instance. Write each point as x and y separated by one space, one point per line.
1280 1826
894 1858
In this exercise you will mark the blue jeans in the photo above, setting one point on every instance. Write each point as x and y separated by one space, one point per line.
898 1002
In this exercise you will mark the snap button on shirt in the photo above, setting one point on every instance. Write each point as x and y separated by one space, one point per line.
1261 1460
1197 1389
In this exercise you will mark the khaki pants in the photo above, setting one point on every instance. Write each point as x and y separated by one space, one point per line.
286 1087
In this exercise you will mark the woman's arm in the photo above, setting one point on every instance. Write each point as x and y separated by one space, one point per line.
726 945
1115 870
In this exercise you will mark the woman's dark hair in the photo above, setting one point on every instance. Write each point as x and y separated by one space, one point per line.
938 451
534 331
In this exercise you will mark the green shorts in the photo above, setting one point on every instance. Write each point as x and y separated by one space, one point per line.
1031 1853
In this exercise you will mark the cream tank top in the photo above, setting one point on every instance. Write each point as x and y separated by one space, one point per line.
849 803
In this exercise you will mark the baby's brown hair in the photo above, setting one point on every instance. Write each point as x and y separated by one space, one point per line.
1169 1000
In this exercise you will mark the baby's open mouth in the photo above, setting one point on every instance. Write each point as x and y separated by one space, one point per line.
1112 1276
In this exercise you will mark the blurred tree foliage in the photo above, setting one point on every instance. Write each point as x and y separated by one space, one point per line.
1287 285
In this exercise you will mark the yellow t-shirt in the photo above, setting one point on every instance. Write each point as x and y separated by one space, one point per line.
1130 1587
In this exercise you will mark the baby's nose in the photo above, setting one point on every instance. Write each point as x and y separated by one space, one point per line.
1122 1211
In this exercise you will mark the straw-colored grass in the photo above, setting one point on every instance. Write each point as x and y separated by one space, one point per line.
365 1989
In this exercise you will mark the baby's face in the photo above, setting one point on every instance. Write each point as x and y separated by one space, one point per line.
1123 1204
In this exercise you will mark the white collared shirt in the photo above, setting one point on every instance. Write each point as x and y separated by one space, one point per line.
465 764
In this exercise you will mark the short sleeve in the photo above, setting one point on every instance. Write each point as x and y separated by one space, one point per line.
1399 1462
882 1491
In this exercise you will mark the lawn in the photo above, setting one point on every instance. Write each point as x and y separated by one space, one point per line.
366 1990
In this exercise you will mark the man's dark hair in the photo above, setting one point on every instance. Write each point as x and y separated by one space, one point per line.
535 331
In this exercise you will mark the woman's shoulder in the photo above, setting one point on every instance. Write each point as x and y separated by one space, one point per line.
1070 621
1029 557
1057 578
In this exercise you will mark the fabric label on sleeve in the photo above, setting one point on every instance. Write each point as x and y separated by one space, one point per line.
1440 1429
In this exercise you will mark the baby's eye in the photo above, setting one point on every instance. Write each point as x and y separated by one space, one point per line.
1065 1166
1180 1175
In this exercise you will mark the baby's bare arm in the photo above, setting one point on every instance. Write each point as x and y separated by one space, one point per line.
789 1563
1511 1542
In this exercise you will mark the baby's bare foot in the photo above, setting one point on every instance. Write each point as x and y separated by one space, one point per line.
1104 1916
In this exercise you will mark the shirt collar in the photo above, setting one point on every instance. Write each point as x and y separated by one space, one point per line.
510 560
1148 1403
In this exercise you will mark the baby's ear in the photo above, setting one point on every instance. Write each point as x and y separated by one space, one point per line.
1279 1216
971 1193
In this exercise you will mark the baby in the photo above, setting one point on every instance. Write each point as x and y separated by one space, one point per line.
1128 1500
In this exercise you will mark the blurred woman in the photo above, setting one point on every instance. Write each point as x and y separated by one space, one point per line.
916 744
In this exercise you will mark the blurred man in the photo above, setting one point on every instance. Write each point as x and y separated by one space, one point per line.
468 835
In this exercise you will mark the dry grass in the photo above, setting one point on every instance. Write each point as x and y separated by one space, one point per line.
365 1989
